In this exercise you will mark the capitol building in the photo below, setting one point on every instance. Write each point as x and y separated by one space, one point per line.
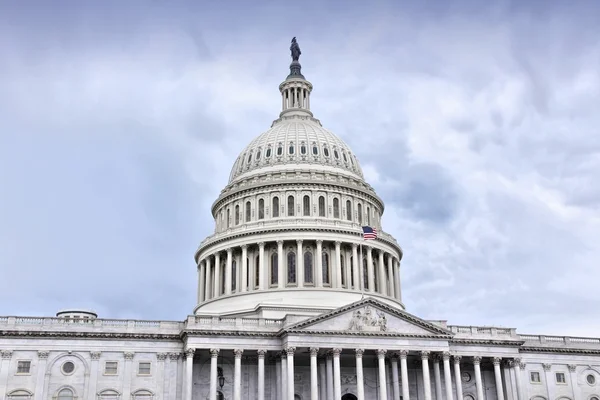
299 297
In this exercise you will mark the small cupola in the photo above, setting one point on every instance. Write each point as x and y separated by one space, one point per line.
295 90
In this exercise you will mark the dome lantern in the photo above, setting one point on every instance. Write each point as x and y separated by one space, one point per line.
295 90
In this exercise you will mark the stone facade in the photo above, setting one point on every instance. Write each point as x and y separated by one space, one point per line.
292 304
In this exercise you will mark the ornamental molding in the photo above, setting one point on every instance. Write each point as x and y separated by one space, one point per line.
128 355
174 356
557 350
547 367
161 356
93 335
95 355
43 354
572 367
367 320
6 354
487 342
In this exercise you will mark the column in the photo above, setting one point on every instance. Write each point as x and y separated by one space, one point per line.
322 379
228 273
251 271
237 374
280 273
355 266
201 274
161 372
127 374
404 374
278 377
41 373
382 381
392 281
498 376
477 365
572 375
346 258
283 375
338 265
458 378
189 365
6 356
217 281
245 285
290 372
360 381
214 354
447 375
319 261
382 275
261 374
337 378
398 293
370 268
395 380
261 266
426 379
300 264
314 383
238 273
94 355
437 377
329 363
172 381
517 369
207 281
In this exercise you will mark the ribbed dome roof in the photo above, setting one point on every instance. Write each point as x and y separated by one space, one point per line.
297 141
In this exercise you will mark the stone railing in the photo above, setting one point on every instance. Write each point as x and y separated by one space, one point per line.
54 324
560 341
207 322
484 332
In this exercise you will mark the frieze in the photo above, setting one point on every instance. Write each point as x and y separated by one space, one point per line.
367 320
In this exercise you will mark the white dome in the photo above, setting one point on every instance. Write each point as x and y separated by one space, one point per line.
296 140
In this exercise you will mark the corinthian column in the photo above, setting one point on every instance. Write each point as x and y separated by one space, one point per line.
391 281
237 374
284 376
437 377
319 261
338 265
214 354
477 365
201 274
261 266
382 281
300 264
290 372
517 367
426 378
41 372
337 382
360 381
370 268
355 277
382 380
280 274
314 384
95 355
261 374
189 366
228 272
395 379
498 376
207 280
404 374
458 378
217 289
447 375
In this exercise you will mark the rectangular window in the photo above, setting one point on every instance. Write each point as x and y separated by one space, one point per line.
144 368
535 377
560 378
111 368
23 367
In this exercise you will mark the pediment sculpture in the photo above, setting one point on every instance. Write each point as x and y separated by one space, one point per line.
367 320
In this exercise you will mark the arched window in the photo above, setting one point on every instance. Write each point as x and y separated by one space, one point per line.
359 212
369 216
336 154
268 153
248 211
258 155
321 206
291 267
274 268
290 206
275 211
325 265
343 154
365 274
65 394
343 269
20 395
228 218
303 149
249 157
375 276
315 150
291 149
143 395
348 210
306 206
280 150
352 283
222 277
256 271
336 207
326 151
220 395
308 267
233 275
108 394
261 208
237 214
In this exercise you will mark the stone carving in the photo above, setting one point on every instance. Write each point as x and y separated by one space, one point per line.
189 353
348 379
95 355
173 356
547 367
238 353
496 360
128 355
477 360
572 367
6 353
368 321
381 352
43 354
161 356
261 353
295 49
425 355
314 351
446 355
336 351
290 351
214 353
359 352
297 378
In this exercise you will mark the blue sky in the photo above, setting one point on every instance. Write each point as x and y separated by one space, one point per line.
476 123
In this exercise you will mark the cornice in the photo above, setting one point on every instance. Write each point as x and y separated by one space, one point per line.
92 335
231 333
294 228
558 350
286 332
487 342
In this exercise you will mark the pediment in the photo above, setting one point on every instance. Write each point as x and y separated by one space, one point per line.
370 316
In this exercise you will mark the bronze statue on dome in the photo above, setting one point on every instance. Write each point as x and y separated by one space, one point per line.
295 49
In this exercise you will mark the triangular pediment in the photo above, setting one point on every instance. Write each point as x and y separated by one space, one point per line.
370 316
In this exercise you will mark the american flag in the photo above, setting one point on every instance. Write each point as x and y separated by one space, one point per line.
369 233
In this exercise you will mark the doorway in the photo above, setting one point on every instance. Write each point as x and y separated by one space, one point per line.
349 396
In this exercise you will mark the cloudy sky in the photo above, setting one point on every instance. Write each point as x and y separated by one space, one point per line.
478 126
